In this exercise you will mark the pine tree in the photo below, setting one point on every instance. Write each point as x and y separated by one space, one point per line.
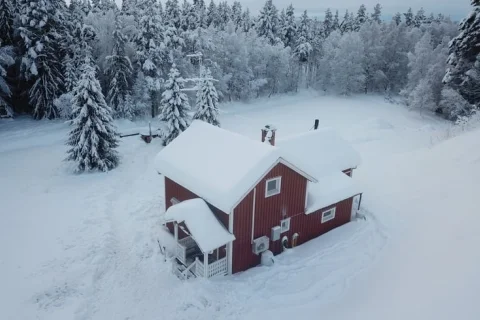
173 39
347 23
246 20
361 17
336 22
268 22
174 106
409 17
207 100
126 108
119 69
7 17
6 60
93 136
237 15
303 48
42 29
419 18
397 18
189 17
212 14
289 31
464 61
377 13
70 73
328 23
150 52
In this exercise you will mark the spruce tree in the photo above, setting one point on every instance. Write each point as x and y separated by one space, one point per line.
119 69
377 13
7 17
175 106
289 31
419 18
347 23
409 17
463 73
361 17
151 55
303 48
212 14
336 22
42 30
268 22
397 18
246 20
328 23
126 108
93 136
6 60
207 100
237 15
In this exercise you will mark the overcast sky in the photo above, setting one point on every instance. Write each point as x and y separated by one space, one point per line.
457 9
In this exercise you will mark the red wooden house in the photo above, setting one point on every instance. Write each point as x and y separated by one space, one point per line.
230 198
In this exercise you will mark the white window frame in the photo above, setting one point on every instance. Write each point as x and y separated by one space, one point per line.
277 191
331 217
174 201
282 230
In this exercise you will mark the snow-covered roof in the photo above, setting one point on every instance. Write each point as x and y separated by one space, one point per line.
330 189
323 150
204 227
220 166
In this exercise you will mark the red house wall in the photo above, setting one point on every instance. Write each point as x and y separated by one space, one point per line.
174 190
269 213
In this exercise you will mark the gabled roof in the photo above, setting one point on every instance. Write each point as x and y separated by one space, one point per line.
330 189
221 166
323 150
204 227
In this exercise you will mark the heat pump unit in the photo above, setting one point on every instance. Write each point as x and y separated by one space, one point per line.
276 231
260 244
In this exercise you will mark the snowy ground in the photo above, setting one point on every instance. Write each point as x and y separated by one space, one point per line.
85 247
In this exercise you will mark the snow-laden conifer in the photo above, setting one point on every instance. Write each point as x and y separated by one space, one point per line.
119 69
207 100
6 60
267 23
93 137
174 106
7 17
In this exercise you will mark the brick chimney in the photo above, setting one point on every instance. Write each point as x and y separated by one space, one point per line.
268 134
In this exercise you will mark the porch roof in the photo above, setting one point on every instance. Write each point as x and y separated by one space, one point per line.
202 224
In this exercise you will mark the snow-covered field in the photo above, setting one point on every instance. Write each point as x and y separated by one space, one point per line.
85 246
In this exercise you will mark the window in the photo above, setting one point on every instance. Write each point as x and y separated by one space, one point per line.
328 215
285 225
272 187
174 201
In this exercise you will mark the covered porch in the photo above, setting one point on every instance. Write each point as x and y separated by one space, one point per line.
202 251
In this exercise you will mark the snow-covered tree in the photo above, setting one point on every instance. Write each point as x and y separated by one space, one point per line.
268 22
371 35
207 100
7 17
289 31
409 18
464 59
246 20
174 106
126 108
151 53
328 23
6 60
453 105
119 70
361 17
419 18
141 95
93 137
336 22
347 72
42 27
237 15
377 13
347 23
212 15
397 18
303 46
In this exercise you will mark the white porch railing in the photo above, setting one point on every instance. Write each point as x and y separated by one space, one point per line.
215 268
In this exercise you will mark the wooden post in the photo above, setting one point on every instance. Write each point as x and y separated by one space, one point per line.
175 228
205 264
315 126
